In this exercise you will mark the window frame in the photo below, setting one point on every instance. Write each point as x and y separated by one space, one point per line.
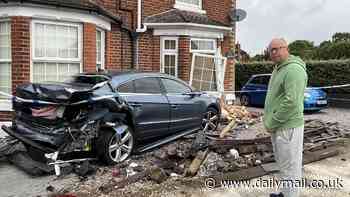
220 71
213 51
5 104
56 60
189 6
164 52
103 45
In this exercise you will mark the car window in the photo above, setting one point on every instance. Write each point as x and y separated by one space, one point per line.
265 80
127 87
172 86
147 85
256 80
261 80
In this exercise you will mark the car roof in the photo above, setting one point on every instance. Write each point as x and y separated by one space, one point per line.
261 75
118 77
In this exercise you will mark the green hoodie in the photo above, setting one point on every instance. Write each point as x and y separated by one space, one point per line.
284 104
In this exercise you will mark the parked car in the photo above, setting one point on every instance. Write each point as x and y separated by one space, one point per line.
108 115
254 93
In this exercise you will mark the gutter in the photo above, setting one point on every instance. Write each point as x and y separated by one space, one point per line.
96 8
221 28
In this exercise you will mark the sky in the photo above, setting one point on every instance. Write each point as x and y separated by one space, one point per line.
314 20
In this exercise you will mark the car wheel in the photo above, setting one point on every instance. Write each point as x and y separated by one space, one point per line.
114 148
245 100
210 120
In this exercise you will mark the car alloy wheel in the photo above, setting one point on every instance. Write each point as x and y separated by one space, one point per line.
120 146
245 100
210 121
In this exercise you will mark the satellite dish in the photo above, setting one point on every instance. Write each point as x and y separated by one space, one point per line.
237 15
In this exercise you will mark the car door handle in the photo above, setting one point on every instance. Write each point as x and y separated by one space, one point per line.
136 104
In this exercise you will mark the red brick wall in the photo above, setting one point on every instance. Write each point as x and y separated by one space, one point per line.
218 9
156 54
184 65
215 9
6 116
113 48
230 66
149 46
20 50
149 56
89 51
126 51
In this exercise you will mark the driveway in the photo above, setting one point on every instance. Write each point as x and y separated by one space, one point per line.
13 182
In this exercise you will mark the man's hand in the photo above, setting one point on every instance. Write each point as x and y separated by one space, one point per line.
268 130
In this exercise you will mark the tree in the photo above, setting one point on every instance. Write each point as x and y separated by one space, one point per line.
341 37
302 48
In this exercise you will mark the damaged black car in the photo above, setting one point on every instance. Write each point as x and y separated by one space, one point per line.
108 115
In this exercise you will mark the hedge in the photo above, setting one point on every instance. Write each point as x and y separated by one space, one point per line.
320 73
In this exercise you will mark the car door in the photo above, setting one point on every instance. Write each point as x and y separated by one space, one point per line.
257 91
151 107
185 111
263 87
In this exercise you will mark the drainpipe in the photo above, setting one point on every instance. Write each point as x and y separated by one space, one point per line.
139 18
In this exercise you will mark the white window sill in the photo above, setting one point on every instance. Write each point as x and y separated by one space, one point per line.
5 105
189 8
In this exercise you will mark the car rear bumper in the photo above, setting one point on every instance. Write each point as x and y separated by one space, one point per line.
11 131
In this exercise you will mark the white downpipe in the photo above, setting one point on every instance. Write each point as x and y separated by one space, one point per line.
139 18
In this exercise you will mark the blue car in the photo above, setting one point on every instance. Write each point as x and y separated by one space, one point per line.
254 94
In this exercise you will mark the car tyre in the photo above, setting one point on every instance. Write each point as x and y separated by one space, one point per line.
113 148
211 118
245 100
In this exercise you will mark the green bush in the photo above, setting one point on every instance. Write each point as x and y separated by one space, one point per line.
320 73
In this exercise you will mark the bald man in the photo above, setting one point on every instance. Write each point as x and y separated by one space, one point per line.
283 115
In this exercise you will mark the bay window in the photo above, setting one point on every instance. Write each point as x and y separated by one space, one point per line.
5 58
200 45
56 50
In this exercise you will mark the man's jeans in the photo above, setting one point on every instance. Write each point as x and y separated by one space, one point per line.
288 151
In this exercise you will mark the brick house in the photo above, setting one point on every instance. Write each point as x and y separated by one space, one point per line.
52 39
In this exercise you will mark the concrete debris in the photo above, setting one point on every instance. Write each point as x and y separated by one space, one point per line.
234 153
196 163
158 175
211 165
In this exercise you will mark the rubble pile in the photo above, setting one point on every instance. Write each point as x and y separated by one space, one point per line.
177 162
235 118
182 161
